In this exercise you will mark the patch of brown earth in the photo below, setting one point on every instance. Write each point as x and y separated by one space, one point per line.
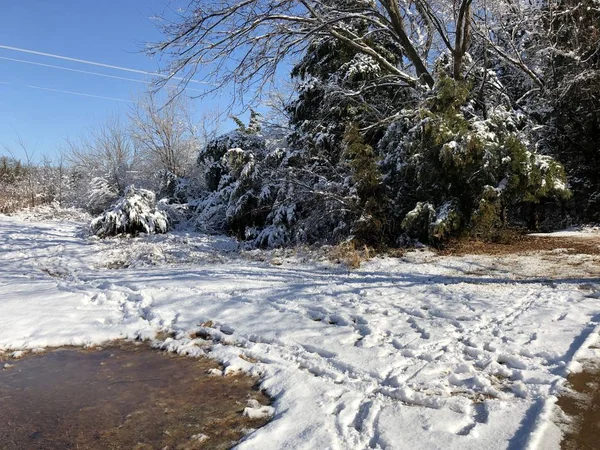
122 397
522 244
581 429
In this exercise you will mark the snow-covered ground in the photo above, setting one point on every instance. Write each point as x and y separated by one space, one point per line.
421 352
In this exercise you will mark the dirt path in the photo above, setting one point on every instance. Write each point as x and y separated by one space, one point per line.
581 426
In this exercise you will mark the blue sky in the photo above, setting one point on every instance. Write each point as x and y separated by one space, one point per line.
109 31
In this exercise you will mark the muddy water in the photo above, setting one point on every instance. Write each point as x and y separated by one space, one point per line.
125 397
582 408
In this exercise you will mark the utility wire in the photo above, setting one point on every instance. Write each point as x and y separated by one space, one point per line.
94 63
83 71
82 94
73 70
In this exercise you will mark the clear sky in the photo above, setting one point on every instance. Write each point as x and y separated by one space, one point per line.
111 32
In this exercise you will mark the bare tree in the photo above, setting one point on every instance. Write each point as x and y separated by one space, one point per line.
27 171
210 126
509 29
245 41
107 152
60 176
278 102
164 134
51 177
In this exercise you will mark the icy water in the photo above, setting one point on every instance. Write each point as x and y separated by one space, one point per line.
582 407
121 397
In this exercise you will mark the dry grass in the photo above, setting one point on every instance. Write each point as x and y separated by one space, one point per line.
350 254
10 204
520 243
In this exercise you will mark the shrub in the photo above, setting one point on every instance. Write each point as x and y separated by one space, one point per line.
133 213
350 254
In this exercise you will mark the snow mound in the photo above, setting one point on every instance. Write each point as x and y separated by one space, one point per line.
255 410
134 213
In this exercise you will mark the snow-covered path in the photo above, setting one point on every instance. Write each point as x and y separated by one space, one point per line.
421 352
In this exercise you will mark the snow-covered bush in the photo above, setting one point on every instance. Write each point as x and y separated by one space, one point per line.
101 194
177 213
245 187
133 213
232 186
271 195
461 169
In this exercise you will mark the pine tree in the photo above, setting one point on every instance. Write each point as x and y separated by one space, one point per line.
332 78
339 94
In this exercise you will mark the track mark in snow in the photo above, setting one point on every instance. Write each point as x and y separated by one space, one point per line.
319 351
415 326
366 422
587 336
480 415
226 329
433 339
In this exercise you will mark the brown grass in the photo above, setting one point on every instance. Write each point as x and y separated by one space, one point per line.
519 243
350 254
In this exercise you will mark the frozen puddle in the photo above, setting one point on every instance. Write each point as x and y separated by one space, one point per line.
123 397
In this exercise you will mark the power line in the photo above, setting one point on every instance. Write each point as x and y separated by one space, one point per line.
74 70
79 93
82 94
94 63
87 72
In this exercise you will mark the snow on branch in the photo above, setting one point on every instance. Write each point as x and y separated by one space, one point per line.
134 213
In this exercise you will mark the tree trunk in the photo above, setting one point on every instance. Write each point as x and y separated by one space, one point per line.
411 53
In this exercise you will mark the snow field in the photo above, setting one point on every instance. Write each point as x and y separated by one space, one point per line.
421 352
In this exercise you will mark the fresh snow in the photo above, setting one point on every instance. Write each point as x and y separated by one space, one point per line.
420 352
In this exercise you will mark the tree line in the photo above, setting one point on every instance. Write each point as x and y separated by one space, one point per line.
409 119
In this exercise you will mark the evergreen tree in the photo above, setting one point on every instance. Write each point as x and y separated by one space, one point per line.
448 169
369 206
338 85
573 72
340 92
